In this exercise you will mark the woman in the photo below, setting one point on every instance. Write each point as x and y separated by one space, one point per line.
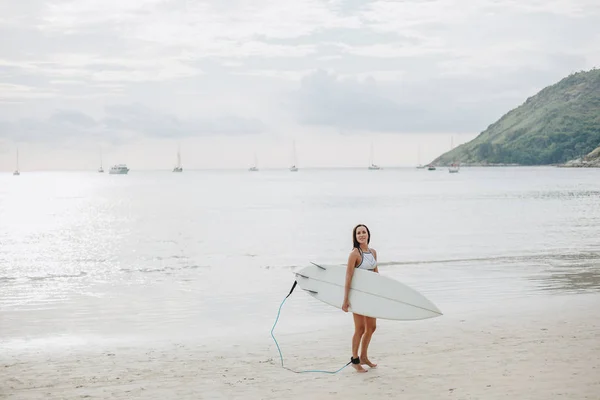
361 257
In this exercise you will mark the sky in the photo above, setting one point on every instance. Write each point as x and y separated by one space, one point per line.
223 80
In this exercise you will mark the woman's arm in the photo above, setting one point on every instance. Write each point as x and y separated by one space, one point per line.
375 255
349 274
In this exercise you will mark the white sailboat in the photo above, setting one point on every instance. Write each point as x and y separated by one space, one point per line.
294 168
17 172
254 168
101 170
420 166
372 165
178 168
454 166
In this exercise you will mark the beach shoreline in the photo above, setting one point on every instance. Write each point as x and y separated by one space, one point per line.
547 349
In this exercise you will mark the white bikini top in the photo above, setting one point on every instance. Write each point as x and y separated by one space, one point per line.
368 261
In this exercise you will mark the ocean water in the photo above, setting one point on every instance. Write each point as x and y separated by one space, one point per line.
205 255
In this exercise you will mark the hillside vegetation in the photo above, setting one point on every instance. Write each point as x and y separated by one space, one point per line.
558 124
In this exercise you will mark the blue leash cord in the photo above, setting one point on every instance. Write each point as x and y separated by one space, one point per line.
279 349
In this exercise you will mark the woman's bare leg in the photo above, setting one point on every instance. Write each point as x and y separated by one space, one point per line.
359 330
370 326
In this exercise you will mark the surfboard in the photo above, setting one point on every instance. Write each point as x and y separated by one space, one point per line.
371 294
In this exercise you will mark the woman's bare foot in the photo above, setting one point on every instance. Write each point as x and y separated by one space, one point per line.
366 361
358 368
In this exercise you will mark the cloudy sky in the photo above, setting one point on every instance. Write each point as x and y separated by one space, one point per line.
224 79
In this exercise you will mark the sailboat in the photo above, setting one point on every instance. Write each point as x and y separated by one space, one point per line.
254 168
371 164
178 168
118 169
420 166
101 170
454 166
294 168
17 173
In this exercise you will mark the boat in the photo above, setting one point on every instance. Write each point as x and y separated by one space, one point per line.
431 167
254 168
454 166
294 168
118 169
372 165
178 168
17 173
420 166
101 170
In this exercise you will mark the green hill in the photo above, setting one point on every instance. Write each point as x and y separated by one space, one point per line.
558 124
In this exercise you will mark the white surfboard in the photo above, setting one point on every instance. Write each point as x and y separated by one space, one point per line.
371 294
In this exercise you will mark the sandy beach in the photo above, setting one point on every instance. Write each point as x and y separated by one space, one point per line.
547 350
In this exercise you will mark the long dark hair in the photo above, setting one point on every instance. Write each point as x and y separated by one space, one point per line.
356 244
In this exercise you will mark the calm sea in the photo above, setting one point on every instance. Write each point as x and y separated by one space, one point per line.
202 255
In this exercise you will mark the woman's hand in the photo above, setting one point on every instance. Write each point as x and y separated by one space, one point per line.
345 305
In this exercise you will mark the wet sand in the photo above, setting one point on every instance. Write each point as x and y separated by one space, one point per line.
539 350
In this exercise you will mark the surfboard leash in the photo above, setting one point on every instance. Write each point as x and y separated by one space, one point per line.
279 349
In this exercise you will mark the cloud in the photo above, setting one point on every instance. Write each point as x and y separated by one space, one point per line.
15 93
206 26
414 65
72 118
324 99
121 123
440 104
61 126
138 118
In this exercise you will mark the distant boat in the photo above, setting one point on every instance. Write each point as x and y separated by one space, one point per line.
101 170
431 167
17 173
420 166
454 167
118 169
372 165
293 168
254 168
178 168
